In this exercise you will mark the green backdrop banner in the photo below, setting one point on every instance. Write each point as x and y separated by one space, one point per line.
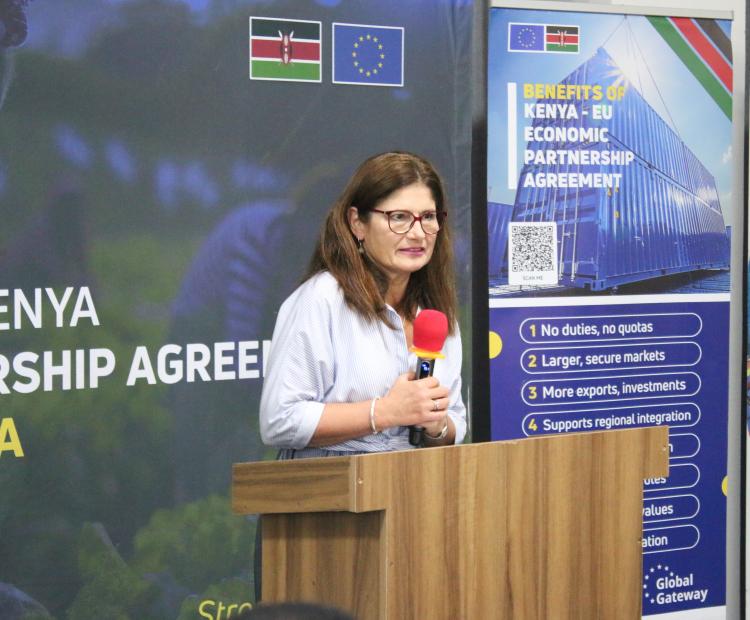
158 202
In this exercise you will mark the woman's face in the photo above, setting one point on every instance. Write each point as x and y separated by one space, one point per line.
399 255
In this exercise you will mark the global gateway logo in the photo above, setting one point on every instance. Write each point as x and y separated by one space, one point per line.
662 586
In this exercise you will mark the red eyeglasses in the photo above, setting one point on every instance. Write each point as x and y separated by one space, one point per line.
401 222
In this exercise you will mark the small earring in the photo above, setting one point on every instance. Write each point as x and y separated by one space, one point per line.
360 246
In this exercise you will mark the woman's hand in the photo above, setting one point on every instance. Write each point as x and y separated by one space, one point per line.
409 402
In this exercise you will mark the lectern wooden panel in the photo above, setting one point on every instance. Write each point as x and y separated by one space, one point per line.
546 527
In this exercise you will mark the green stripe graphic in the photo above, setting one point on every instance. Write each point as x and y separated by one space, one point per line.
273 69
694 63
271 27
553 47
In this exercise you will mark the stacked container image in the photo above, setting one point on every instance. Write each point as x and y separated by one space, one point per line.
664 218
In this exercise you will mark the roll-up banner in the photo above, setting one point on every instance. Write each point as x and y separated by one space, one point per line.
610 192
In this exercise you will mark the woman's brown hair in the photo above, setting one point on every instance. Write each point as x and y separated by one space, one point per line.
363 283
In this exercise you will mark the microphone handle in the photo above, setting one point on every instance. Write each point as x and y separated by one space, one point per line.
425 368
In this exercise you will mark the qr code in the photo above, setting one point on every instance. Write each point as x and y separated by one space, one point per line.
532 253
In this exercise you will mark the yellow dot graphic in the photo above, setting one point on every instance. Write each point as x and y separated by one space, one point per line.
725 485
496 345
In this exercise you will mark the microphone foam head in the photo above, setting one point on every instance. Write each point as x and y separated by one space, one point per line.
430 330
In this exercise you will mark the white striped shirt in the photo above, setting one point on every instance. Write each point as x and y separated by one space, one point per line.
322 352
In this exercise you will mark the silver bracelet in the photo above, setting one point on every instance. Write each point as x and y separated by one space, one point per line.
372 416
441 435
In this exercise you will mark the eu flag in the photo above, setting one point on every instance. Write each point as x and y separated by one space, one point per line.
372 55
525 37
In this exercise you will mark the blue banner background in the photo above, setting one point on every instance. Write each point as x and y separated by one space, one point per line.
511 418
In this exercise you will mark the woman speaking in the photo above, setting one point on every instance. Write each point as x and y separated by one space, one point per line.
339 374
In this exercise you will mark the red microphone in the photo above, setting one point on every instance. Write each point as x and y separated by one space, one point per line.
429 333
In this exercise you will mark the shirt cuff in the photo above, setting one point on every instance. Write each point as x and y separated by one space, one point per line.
459 422
309 413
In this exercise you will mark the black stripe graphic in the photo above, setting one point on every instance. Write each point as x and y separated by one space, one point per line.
719 38
565 29
271 27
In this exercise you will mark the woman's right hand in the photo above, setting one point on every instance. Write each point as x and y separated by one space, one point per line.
412 402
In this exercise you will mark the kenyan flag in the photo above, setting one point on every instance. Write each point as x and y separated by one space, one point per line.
285 49
706 51
561 39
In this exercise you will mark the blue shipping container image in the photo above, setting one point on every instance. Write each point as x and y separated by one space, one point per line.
657 214
498 216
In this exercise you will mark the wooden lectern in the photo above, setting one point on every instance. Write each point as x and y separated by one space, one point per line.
546 527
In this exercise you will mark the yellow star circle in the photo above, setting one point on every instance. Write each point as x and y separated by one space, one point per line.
372 70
